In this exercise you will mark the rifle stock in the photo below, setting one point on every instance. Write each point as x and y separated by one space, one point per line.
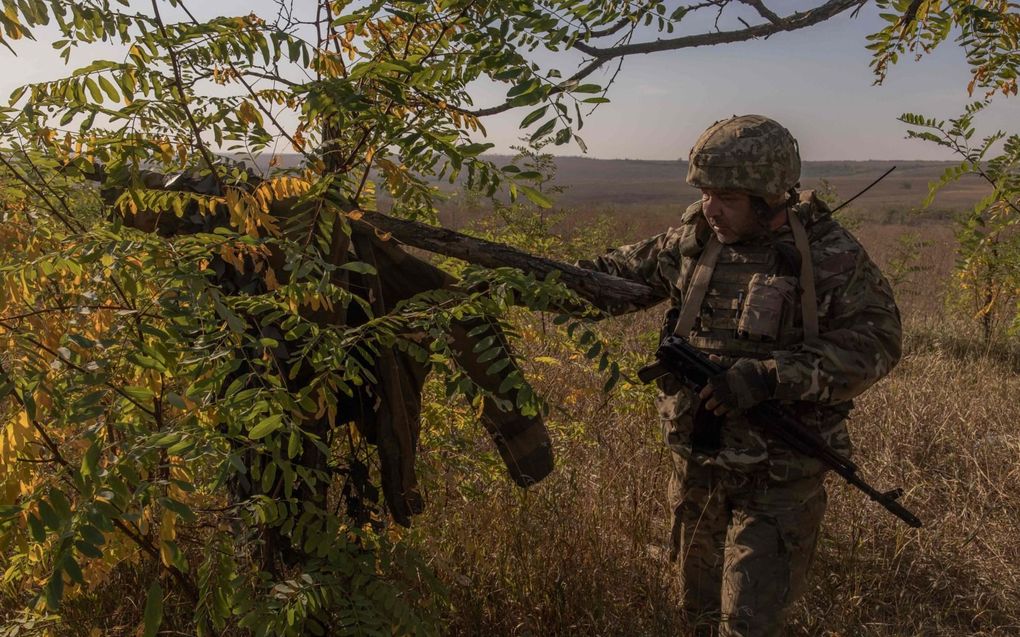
677 357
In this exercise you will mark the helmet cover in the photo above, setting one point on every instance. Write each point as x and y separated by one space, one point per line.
749 153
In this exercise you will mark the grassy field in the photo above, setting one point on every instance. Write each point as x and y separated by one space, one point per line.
649 194
580 552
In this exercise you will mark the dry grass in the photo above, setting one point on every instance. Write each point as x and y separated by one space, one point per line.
577 554
572 555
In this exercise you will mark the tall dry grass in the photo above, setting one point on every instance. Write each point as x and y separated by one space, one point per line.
580 553
577 554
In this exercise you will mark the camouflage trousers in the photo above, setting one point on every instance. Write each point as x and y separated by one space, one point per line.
744 545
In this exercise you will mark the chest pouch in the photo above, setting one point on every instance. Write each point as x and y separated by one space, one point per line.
766 306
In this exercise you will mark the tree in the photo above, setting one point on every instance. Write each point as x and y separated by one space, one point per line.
162 343
987 31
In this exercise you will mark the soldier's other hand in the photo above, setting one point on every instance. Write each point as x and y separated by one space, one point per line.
711 403
745 384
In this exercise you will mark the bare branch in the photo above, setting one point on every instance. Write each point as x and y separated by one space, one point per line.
792 22
763 11
600 56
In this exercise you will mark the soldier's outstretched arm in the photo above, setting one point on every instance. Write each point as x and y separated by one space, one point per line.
654 262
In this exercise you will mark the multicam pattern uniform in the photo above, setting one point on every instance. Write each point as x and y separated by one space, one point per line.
741 489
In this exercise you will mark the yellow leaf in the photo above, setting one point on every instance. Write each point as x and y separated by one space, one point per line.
271 282
14 439
247 113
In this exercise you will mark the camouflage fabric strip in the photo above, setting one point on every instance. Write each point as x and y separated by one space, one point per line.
808 298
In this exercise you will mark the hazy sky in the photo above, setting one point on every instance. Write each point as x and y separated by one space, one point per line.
816 81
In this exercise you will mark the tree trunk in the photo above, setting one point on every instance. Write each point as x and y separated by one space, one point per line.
601 290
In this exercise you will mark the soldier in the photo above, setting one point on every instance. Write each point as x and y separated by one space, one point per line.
763 278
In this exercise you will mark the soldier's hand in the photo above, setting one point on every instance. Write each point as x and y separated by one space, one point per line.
745 384
711 403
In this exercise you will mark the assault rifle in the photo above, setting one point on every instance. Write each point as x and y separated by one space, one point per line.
677 357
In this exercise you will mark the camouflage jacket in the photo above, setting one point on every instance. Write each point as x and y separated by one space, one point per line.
858 343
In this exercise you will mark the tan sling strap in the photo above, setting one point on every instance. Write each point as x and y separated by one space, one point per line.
706 265
808 299
699 285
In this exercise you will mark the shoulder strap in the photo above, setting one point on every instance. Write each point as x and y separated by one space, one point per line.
699 285
706 265
808 298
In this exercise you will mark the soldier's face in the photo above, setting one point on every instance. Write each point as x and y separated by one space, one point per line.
730 215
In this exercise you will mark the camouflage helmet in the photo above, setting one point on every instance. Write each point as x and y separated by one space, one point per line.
750 153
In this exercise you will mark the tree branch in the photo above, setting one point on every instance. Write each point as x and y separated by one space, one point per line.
763 11
792 22
610 30
601 290
600 56
182 97
189 586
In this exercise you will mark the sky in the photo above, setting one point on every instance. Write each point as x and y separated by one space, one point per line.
816 82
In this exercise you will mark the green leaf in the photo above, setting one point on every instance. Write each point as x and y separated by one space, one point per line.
484 344
359 267
36 528
109 88
471 150
139 393
534 116
544 130
87 549
266 427
497 367
535 196
181 509
92 535
234 322
16 94
146 362
54 590
511 381
153 609
73 570
93 90
60 504
523 88
48 515
176 400
490 354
